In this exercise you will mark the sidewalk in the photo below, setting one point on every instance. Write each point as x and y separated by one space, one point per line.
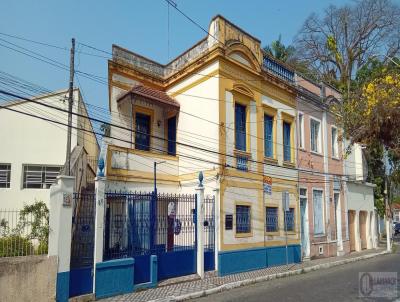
179 289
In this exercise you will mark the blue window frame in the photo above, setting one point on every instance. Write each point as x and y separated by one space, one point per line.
172 135
289 220
287 154
243 219
271 224
268 135
240 127
142 134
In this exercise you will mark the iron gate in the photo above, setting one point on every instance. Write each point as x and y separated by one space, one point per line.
139 225
209 233
82 245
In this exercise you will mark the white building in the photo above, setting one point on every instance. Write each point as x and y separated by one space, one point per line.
362 216
33 150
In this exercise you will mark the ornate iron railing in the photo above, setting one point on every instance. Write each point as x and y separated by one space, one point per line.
278 69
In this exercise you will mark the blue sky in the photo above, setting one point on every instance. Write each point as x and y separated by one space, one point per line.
140 26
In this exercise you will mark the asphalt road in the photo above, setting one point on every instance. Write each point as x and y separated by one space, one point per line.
339 283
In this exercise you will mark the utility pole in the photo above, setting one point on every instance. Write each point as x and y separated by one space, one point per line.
70 103
387 214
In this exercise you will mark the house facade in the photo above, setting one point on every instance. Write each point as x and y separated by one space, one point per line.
33 150
362 216
321 173
222 108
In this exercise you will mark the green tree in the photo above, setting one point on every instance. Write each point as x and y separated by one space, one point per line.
279 51
343 39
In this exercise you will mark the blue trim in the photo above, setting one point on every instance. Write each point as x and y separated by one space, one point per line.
238 261
62 287
116 262
114 277
153 275
81 281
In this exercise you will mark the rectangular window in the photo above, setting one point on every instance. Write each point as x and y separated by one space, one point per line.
315 132
318 212
242 162
142 134
268 136
172 136
286 142
39 177
5 175
271 223
301 130
240 127
289 220
334 143
243 219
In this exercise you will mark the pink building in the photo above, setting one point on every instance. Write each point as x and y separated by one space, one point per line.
321 173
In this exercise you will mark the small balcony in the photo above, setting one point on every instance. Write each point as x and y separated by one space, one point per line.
149 118
278 69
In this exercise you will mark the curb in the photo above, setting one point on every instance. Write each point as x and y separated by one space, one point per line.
236 284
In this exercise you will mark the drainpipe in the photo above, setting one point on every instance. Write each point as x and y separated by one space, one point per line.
325 161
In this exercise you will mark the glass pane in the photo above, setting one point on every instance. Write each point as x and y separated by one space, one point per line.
240 127
142 134
268 135
318 219
286 142
172 136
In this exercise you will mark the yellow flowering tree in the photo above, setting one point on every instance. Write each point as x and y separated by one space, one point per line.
372 115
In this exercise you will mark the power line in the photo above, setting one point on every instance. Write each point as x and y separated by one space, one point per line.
201 136
160 138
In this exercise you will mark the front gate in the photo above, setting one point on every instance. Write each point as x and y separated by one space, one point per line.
209 233
82 245
139 225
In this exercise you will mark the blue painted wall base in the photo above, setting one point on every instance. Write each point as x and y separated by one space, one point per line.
238 261
153 274
81 281
62 287
114 277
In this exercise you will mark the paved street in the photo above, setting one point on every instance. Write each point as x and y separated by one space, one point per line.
335 284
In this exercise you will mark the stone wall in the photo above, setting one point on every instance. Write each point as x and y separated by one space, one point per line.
30 278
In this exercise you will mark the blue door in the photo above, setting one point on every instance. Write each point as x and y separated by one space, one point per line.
82 245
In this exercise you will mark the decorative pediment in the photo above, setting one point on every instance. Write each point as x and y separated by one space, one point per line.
243 89
242 54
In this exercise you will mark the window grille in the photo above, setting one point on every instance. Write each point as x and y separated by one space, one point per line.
243 219
40 177
289 220
5 175
271 219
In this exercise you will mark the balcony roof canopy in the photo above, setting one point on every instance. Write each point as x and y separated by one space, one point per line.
153 94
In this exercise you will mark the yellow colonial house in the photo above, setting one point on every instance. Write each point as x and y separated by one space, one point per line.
225 108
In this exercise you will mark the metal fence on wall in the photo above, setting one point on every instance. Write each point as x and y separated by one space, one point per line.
142 224
23 233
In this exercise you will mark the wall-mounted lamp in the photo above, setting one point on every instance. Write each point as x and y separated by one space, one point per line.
159 123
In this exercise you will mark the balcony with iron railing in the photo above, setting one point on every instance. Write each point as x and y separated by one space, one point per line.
278 69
